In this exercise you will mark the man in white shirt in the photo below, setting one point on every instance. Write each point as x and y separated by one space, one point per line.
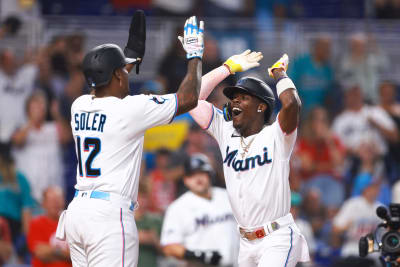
199 226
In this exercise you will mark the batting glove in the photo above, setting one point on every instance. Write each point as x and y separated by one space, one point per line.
282 63
243 61
193 40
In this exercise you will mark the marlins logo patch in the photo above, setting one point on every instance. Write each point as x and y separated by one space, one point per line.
158 99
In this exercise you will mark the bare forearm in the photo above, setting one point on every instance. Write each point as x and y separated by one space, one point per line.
175 250
26 219
188 91
19 137
291 104
390 135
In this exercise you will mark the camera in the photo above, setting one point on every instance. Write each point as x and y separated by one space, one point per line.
389 244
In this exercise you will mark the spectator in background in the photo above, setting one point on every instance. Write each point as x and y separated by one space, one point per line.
314 211
388 94
372 166
16 84
38 152
173 64
172 67
362 65
5 242
313 74
162 182
15 195
45 248
320 151
359 122
357 217
321 156
304 226
149 229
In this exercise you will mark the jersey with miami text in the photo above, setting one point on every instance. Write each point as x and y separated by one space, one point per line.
109 133
257 181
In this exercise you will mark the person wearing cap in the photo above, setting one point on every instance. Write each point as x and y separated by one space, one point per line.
199 226
357 217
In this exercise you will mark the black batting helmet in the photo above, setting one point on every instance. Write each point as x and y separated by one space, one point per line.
198 163
257 88
101 62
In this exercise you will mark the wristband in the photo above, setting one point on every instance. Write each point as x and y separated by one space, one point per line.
232 66
284 84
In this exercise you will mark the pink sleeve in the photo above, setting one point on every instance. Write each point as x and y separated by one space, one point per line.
211 80
202 114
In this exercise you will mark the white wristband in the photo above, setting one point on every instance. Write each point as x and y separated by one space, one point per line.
284 84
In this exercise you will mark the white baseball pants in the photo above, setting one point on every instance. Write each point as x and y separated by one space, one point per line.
101 233
284 247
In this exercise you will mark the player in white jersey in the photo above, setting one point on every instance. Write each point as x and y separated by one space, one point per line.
199 226
256 159
108 128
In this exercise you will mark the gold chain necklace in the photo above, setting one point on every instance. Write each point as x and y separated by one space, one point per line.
245 146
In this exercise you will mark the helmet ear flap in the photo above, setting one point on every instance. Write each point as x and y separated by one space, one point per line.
227 111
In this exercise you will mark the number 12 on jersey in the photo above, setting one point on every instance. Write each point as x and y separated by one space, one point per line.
93 146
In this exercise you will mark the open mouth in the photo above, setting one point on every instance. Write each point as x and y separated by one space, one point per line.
236 111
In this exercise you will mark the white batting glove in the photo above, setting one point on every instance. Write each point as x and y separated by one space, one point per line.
282 63
243 61
193 40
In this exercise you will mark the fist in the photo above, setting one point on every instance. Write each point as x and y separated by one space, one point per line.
282 63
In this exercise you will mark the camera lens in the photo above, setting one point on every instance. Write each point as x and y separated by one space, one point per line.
391 242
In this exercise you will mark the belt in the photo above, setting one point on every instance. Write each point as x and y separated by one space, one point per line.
99 195
266 229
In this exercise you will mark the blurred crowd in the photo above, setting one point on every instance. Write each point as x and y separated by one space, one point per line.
345 164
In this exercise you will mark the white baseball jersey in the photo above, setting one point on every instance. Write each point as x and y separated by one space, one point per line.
109 135
361 223
257 181
201 224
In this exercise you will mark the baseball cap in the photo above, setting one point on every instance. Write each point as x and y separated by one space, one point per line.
363 181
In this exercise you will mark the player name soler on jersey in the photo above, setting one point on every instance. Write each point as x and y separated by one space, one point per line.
256 156
108 128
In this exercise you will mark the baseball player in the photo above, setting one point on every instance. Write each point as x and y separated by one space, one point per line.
108 128
199 226
256 159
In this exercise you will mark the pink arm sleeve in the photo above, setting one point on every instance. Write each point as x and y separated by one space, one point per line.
202 114
211 80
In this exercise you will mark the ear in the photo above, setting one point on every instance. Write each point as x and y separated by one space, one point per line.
118 73
262 107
